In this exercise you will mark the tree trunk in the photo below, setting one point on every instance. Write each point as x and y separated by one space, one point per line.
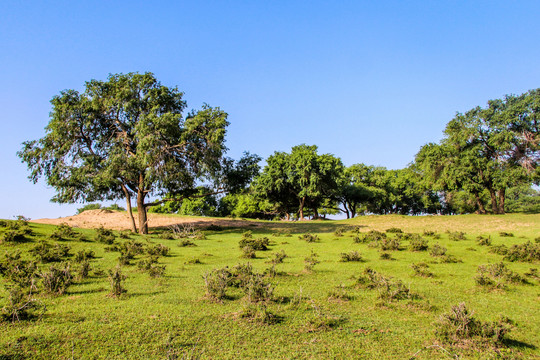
481 209
301 208
502 197
346 210
287 217
129 209
494 206
141 207
315 214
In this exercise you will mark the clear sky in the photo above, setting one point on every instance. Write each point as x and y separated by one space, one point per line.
368 81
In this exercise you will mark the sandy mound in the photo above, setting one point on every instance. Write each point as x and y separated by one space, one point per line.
119 220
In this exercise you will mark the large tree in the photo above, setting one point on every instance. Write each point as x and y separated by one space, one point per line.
126 137
302 177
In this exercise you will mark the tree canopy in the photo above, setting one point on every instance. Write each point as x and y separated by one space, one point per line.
126 137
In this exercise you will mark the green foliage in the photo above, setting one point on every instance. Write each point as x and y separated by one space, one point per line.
459 325
394 230
47 252
309 237
418 245
483 240
83 255
495 275
310 261
18 271
63 232
105 236
86 207
351 256
421 269
259 244
21 305
116 279
106 143
56 280
437 250
457 236
523 252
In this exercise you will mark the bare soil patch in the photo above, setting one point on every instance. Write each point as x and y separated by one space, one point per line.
119 220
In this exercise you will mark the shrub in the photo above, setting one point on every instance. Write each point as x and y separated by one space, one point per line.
389 244
84 255
216 282
459 325
483 240
394 230
371 279
421 269
310 261
16 231
278 257
18 271
339 232
46 252
116 279
21 305
124 234
437 250
418 245
89 207
259 244
432 234
457 236
386 256
309 238
186 242
523 252
159 250
396 290
156 270
259 313
257 289
57 279
248 252
105 236
351 256
505 234
499 249
497 272
145 264
449 259
533 272
63 232
84 269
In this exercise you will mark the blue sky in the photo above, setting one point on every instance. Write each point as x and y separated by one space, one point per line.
368 81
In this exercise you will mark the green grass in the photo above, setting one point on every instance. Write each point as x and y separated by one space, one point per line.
169 317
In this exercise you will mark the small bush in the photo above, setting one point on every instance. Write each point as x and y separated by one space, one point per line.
396 290
248 252
339 232
159 250
418 245
18 271
105 236
437 250
146 263
89 207
497 273
457 236
527 252
278 257
215 283
193 261
84 269
394 230
421 269
57 279
533 272
21 305
459 325
16 231
483 240
449 259
432 234
386 256
47 253
84 255
259 313
125 234
351 256
116 279
257 289
505 234
186 242
310 238
388 244
63 232
259 244
156 270
499 249
310 261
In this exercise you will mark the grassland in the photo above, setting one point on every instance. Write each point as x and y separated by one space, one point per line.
318 314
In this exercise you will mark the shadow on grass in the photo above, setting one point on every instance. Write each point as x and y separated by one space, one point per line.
518 344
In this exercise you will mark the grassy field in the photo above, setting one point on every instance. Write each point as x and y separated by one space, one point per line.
319 314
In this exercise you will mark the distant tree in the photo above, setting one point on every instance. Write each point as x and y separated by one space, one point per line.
302 175
487 149
126 137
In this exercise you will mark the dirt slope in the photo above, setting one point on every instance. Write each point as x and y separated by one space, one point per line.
118 220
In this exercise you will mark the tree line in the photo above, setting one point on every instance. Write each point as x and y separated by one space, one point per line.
128 138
